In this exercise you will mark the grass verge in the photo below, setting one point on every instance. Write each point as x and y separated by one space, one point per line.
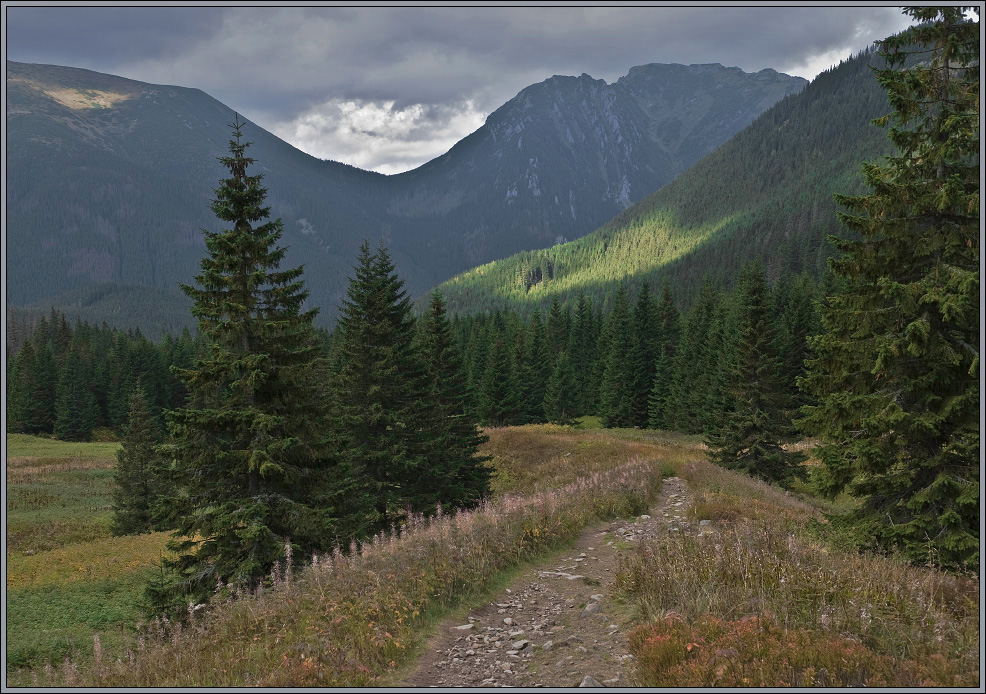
764 601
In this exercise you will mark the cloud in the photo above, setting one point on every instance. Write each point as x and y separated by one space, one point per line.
379 136
389 87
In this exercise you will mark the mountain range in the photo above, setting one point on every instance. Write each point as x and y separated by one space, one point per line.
110 181
765 193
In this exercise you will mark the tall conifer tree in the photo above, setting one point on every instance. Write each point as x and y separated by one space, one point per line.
615 394
380 389
668 330
643 357
76 410
248 448
583 353
747 438
453 473
897 367
536 370
139 474
559 396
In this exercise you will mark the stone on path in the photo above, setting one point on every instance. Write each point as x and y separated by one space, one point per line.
590 682
466 627
591 608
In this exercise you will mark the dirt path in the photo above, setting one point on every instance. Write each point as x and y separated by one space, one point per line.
557 623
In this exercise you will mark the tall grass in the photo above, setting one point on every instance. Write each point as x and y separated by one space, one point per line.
353 617
767 591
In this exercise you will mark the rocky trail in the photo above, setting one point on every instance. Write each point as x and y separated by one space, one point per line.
558 624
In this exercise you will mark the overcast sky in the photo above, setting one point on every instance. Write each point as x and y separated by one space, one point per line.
388 89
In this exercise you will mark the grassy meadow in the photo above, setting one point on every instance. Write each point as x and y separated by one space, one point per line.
66 575
767 599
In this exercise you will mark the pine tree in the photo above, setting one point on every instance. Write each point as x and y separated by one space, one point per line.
668 330
748 437
536 370
643 357
500 401
380 387
39 378
583 353
248 449
16 400
139 476
559 396
454 473
76 410
796 323
615 388
693 364
897 367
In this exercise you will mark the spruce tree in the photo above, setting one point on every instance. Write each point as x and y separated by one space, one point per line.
454 474
536 370
668 320
897 366
381 383
583 353
39 378
747 438
139 475
76 410
615 389
249 450
693 363
500 402
643 357
559 396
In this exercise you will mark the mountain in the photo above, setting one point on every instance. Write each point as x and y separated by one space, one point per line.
111 181
766 192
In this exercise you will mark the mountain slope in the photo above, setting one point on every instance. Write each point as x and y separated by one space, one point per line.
111 181
766 192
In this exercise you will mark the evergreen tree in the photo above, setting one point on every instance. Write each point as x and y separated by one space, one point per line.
693 364
16 392
748 438
557 330
559 396
536 370
139 476
668 330
76 410
615 390
39 378
380 388
796 323
643 358
500 398
248 449
454 474
897 366
583 353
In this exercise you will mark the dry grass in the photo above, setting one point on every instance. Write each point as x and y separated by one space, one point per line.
761 562
353 617
106 558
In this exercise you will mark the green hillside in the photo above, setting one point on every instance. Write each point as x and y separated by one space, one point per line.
767 192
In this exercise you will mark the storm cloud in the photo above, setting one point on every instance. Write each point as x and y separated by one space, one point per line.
390 88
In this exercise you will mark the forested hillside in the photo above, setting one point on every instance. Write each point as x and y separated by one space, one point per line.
766 193
111 181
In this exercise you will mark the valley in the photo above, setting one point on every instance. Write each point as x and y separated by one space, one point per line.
670 380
